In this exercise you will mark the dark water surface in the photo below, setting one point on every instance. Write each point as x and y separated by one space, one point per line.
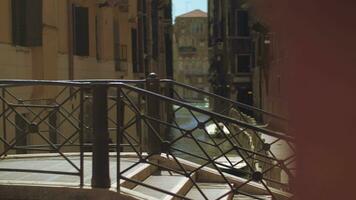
189 121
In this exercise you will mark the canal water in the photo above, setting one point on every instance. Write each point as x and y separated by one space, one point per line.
189 120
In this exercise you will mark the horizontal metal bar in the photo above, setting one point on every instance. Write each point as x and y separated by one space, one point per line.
21 82
33 106
110 81
34 99
40 171
242 105
211 114
38 147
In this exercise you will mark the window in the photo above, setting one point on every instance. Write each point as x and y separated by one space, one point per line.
123 52
116 45
155 28
194 27
27 22
97 38
81 31
134 48
242 23
200 80
243 63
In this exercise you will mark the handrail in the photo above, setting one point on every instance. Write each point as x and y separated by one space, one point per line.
23 82
6 83
262 155
242 105
81 82
147 117
209 113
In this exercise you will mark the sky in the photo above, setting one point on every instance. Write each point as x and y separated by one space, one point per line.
184 6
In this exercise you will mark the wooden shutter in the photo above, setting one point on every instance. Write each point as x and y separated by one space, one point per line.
242 23
116 45
18 22
81 31
34 23
27 22
134 48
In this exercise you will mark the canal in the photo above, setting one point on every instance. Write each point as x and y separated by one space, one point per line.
189 120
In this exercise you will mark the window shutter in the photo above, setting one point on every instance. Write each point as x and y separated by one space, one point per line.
81 31
116 45
33 23
242 23
27 22
134 48
18 24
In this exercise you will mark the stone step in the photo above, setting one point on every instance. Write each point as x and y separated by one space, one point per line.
166 181
243 197
211 190
140 173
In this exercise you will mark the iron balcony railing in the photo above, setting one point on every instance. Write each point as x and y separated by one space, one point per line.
154 120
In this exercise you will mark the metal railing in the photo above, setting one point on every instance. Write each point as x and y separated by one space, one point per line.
150 119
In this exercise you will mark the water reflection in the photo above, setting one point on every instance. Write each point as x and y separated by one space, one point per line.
196 123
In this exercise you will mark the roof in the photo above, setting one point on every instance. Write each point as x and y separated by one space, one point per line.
194 13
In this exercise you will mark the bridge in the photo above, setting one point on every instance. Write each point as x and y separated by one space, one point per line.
137 139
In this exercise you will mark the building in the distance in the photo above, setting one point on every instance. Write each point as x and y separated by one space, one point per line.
191 64
231 53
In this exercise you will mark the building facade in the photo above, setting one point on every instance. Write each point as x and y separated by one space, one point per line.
191 50
73 39
230 50
245 59
81 39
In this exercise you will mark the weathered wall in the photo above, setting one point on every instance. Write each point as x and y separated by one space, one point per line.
50 61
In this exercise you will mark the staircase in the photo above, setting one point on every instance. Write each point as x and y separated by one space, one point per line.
182 186
158 183
151 122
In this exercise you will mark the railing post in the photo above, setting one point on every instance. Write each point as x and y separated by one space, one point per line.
120 118
154 144
100 171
